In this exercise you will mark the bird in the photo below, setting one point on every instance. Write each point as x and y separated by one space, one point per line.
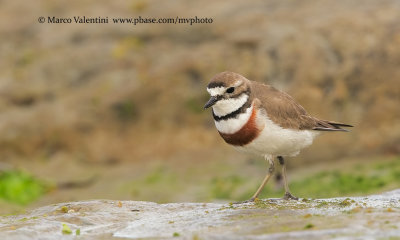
259 119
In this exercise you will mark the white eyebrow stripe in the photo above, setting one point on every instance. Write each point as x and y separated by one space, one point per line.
216 91
238 83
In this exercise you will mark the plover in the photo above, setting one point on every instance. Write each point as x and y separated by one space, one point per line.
259 119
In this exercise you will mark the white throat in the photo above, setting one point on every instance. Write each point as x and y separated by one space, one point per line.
226 106
232 125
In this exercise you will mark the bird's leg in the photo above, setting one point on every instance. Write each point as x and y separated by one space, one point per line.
271 170
287 195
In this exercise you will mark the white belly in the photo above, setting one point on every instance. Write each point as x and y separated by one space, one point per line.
277 141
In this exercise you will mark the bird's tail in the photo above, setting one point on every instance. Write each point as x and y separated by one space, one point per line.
324 125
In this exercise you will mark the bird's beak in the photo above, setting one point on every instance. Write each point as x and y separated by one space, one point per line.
211 102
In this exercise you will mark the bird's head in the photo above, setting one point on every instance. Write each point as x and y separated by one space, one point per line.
229 91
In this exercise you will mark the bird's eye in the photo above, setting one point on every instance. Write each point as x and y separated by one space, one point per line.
230 90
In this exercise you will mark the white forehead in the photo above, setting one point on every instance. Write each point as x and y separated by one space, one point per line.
221 90
215 91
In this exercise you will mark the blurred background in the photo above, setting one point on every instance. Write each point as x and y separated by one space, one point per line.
115 111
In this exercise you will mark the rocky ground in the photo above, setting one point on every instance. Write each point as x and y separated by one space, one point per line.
370 217
115 111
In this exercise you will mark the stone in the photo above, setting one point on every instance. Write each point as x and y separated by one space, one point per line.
375 216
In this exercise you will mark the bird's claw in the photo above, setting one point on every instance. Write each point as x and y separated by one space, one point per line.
289 196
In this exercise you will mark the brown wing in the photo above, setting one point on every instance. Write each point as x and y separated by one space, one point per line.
283 110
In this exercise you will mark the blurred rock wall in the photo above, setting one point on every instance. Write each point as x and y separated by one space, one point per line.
124 92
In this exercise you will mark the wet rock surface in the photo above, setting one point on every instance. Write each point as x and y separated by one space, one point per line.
375 216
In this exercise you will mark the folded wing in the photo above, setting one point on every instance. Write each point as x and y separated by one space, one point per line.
283 110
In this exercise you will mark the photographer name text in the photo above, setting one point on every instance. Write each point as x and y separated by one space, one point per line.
131 20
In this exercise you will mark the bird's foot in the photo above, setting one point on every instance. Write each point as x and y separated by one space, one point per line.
247 201
289 196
